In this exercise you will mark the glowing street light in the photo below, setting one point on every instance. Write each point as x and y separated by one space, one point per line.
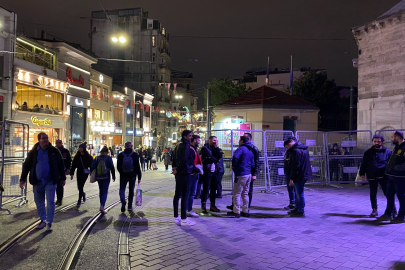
114 39
122 39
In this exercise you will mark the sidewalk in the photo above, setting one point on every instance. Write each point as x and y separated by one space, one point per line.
336 234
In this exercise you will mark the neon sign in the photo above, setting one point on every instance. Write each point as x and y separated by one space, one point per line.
38 122
70 78
78 103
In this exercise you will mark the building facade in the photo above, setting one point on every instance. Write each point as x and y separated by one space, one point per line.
381 71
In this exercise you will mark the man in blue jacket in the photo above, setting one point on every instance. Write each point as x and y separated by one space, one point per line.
242 165
373 166
301 172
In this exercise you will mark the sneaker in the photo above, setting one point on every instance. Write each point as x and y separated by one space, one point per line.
374 213
214 209
192 214
297 214
177 220
293 211
233 214
123 208
230 207
41 225
130 208
102 211
398 220
187 222
385 218
49 227
204 207
289 207
394 213
243 214
79 203
84 197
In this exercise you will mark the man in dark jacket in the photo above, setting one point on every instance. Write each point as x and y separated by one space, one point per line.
183 167
67 160
149 154
128 172
395 171
45 165
287 171
334 163
242 165
300 173
373 166
210 154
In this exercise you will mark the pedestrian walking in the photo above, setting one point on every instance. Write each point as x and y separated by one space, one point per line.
67 160
242 165
98 150
183 167
142 158
129 169
158 154
195 142
300 173
395 171
149 154
210 154
112 151
166 159
92 151
45 165
373 167
81 164
104 167
287 175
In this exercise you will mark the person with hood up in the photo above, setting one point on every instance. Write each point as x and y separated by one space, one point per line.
373 167
395 171
300 173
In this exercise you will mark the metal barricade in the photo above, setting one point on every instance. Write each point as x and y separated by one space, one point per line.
315 140
387 136
274 156
344 154
14 150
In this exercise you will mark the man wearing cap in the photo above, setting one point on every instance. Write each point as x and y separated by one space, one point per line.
395 171
373 167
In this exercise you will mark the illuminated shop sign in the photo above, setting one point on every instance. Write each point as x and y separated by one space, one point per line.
41 81
69 77
102 127
78 102
41 122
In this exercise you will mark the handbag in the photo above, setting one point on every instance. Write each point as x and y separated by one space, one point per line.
85 170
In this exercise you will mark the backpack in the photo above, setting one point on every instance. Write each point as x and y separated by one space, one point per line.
102 169
128 163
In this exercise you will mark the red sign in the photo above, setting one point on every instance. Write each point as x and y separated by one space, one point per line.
1 98
116 101
111 97
143 107
156 109
101 95
93 93
133 104
147 108
126 102
70 78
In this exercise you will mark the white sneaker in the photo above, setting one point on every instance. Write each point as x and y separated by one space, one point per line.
177 220
49 227
187 222
192 214
41 225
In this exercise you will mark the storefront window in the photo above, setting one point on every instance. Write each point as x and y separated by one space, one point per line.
103 115
90 113
77 127
106 94
33 54
38 100
118 116
97 115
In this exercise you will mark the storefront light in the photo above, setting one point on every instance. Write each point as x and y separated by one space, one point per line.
79 88
27 76
138 115
77 68
128 111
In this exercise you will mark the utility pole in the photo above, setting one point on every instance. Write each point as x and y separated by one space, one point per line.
351 109
209 109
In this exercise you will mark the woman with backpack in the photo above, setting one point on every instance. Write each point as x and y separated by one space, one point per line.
82 162
103 165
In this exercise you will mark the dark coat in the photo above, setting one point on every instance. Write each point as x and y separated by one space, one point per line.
374 162
210 155
287 162
78 162
135 160
56 166
67 159
149 153
243 160
300 163
396 164
183 158
256 156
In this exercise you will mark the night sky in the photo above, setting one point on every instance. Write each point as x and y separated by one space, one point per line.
299 19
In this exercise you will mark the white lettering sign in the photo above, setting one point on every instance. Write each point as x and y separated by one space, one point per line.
78 103
310 142
349 143
350 169
279 144
280 171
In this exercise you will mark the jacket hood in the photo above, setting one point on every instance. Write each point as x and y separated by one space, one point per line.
128 150
249 143
300 146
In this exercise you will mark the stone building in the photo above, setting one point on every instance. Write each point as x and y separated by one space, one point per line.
381 71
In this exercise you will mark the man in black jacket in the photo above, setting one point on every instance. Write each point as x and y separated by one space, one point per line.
67 160
183 167
128 167
45 165
210 155
395 171
300 173
149 154
287 171
373 166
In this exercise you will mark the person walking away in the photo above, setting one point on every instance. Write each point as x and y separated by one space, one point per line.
166 159
142 158
98 150
242 165
104 167
395 171
301 172
82 162
67 160
287 172
92 151
45 165
210 154
334 163
111 151
129 169
149 155
158 154
195 142
183 167
373 167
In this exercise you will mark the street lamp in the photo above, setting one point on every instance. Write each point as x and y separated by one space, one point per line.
114 39
122 39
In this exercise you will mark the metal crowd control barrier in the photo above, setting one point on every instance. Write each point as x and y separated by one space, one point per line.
315 140
14 150
387 136
345 151
274 156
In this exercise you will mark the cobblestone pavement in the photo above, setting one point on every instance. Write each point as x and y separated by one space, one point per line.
336 234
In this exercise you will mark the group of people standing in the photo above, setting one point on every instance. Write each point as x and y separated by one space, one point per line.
48 166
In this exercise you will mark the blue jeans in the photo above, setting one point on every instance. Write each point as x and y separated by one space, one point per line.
299 196
291 190
193 191
143 165
40 191
103 187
